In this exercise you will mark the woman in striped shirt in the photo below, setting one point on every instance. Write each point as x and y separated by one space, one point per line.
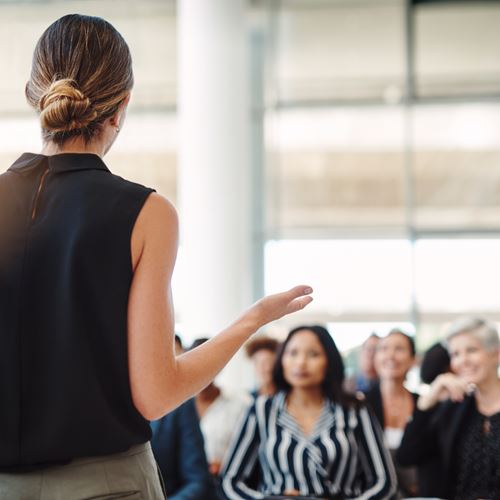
311 438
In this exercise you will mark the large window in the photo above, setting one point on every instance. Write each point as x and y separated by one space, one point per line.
380 182
351 278
456 48
383 161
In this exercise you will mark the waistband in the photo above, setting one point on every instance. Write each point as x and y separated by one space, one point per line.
133 450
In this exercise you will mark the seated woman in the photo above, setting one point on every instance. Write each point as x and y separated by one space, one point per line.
391 402
310 438
262 351
458 421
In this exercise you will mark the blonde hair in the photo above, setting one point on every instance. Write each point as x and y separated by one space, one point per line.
481 329
80 75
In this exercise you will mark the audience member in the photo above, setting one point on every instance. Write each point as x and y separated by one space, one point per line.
391 402
367 375
178 448
458 420
219 413
311 438
436 360
262 351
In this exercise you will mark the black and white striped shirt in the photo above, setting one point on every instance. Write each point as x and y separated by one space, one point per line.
344 455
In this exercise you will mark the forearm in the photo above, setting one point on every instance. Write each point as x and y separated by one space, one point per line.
241 459
195 369
381 479
159 381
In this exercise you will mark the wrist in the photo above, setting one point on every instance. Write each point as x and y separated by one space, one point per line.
425 403
246 325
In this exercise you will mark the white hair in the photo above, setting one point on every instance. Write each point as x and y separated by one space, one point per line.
484 331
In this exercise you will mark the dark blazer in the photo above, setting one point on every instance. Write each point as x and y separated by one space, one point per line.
432 435
429 472
179 451
374 399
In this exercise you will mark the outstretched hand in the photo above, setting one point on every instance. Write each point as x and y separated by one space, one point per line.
273 307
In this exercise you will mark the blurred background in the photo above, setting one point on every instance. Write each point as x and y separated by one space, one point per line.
373 134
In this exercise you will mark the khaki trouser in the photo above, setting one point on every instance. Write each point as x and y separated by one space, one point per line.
131 475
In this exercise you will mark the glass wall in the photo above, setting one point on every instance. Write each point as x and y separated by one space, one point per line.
379 122
383 141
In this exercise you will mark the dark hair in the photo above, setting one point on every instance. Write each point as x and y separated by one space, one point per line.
411 342
80 75
334 377
260 344
178 340
197 342
436 360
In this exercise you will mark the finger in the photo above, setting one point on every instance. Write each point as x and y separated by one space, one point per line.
298 291
457 394
463 385
298 304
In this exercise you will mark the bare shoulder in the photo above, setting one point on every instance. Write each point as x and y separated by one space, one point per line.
157 209
156 227
157 217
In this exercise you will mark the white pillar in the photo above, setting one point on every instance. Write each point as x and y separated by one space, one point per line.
214 167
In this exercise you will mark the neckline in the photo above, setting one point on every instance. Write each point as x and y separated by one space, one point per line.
489 417
323 421
60 162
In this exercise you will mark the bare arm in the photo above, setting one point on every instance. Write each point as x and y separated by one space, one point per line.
159 381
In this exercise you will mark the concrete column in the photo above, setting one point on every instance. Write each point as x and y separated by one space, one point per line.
214 168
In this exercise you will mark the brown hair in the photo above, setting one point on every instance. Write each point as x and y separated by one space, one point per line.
81 73
260 344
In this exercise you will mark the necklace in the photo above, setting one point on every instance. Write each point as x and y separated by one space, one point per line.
486 426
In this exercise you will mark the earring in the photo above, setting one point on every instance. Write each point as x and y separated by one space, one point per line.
117 129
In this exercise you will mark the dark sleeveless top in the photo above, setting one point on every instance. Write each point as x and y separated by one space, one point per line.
65 275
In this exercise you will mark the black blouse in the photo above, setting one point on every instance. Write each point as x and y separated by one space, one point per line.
477 461
65 275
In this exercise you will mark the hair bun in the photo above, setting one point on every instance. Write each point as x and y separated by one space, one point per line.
63 107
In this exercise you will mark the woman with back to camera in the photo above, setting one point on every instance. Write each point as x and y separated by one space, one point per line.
311 438
458 420
86 318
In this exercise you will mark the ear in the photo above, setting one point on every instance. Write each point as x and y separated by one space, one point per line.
114 121
496 355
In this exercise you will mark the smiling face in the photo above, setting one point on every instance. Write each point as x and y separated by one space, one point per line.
470 360
304 360
394 357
